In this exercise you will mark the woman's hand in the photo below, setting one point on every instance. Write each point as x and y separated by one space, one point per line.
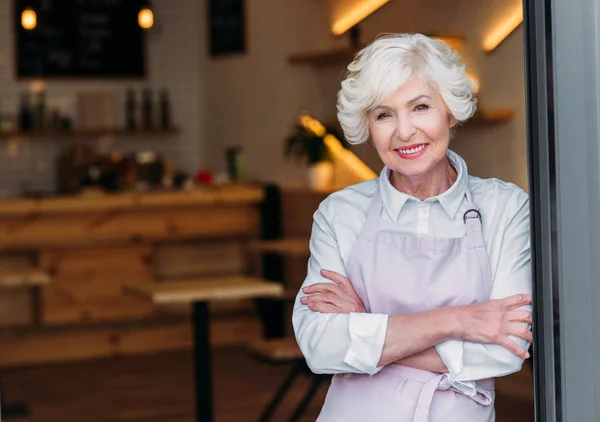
494 321
338 297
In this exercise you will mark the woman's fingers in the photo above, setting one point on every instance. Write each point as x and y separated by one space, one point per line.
320 288
326 308
517 330
516 301
333 276
323 288
519 316
333 294
514 348
340 280
317 302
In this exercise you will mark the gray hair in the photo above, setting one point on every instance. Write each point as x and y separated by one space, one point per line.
385 65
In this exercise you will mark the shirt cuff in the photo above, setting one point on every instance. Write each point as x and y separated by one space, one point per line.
367 337
451 352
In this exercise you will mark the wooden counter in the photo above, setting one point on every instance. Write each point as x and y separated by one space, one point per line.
223 195
90 246
72 221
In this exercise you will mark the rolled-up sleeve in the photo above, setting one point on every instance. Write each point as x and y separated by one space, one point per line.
335 343
468 362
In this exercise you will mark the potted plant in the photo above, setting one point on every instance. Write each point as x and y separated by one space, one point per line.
306 146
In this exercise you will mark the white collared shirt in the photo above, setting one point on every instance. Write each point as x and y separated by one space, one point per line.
340 343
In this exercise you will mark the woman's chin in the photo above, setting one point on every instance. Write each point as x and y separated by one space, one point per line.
415 168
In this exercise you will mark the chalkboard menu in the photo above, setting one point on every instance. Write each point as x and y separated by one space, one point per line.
226 27
81 39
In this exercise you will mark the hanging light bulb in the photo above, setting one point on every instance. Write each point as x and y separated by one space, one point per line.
146 18
29 18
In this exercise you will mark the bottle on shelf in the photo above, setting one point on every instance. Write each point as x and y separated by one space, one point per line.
25 114
234 159
165 110
40 110
130 107
147 109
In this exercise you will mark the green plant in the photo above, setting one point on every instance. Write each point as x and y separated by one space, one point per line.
304 144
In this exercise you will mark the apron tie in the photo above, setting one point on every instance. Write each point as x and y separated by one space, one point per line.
437 383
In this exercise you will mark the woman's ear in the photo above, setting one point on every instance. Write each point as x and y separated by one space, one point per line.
452 122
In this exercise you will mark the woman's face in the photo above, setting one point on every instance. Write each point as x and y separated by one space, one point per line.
411 129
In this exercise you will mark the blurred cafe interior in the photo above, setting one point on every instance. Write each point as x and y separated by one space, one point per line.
160 163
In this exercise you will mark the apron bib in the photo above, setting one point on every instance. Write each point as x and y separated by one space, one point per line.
396 275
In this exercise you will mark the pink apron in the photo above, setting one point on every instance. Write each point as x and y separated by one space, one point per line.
396 275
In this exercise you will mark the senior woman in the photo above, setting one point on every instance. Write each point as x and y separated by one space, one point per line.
419 282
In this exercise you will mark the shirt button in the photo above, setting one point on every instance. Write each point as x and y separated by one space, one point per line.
424 212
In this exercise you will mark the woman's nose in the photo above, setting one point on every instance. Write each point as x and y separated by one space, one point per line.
405 128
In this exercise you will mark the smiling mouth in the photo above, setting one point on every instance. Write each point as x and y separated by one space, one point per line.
410 151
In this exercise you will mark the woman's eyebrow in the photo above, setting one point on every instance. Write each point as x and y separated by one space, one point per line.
417 98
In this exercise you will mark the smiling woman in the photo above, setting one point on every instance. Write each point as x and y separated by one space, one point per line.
418 287
410 131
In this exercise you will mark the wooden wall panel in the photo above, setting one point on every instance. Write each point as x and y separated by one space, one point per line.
199 258
16 306
18 260
87 285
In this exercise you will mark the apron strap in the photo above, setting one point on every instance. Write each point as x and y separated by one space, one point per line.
426 397
370 228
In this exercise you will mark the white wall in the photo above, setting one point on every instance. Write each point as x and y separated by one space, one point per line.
253 98
174 63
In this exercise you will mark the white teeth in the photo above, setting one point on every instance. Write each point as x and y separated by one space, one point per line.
412 150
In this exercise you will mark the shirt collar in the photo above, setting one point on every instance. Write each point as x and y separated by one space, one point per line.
393 200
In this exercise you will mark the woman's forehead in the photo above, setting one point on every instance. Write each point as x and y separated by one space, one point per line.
413 87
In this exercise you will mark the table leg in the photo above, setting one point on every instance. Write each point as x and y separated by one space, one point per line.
202 363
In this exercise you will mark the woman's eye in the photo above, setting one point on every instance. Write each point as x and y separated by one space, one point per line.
422 107
382 116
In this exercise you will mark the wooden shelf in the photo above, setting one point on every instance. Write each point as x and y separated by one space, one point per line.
346 54
292 247
87 133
